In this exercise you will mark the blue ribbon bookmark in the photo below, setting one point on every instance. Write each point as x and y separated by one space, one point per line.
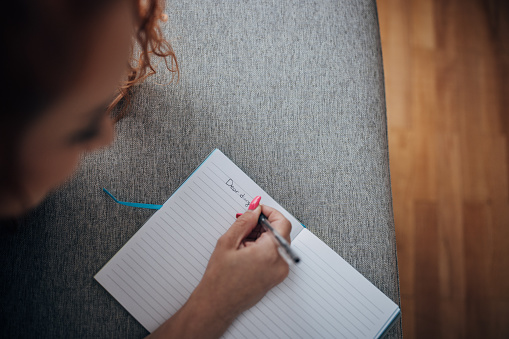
133 204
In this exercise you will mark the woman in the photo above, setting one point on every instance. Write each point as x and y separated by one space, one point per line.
64 62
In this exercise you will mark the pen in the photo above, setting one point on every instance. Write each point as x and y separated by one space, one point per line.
284 247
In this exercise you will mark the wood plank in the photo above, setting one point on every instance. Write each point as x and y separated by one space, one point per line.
422 24
502 67
450 217
499 326
495 167
477 234
475 186
426 272
452 318
489 94
424 169
499 251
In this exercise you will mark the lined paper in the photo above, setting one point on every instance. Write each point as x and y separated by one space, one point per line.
157 269
322 297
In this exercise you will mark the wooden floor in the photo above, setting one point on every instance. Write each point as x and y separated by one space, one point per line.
447 83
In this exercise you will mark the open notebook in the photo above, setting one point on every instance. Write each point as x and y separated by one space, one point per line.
157 269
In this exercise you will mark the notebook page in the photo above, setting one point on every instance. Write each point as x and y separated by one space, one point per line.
322 297
157 269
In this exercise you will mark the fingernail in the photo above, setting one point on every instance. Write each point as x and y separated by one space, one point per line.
254 204
238 215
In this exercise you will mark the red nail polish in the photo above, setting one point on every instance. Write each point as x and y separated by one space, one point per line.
254 204
238 215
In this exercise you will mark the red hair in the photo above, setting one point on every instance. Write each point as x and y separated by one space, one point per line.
151 42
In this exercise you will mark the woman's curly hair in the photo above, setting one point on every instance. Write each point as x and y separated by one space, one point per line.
151 42
46 42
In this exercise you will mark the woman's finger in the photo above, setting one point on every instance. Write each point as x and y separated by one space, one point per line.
241 228
278 221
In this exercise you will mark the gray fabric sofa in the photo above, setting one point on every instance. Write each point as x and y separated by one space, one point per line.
291 91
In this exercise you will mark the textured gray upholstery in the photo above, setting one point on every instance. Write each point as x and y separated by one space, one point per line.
291 91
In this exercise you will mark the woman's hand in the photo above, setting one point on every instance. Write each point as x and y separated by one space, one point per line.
238 275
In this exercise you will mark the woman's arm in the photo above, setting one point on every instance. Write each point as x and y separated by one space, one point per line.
236 278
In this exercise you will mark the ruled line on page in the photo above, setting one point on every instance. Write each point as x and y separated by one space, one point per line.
227 176
222 188
198 223
331 269
209 202
170 264
276 323
114 281
294 316
165 268
325 295
294 308
312 274
205 218
130 280
198 263
220 196
208 216
130 295
300 310
309 300
203 251
186 268
185 223
162 295
146 283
